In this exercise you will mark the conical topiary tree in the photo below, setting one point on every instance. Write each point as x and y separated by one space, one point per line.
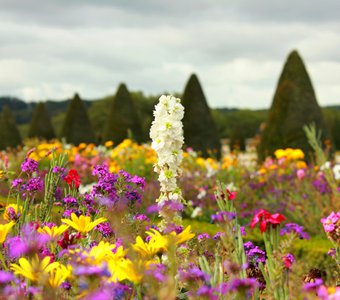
200 131
41 125
294 105
123 119
77 127
9 133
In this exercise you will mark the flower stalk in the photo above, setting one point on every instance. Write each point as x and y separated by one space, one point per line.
166 133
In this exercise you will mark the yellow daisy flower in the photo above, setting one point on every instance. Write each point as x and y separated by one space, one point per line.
17 209
34 269
54 231
82 224
4 229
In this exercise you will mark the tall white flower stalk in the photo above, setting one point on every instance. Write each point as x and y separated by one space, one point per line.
166 133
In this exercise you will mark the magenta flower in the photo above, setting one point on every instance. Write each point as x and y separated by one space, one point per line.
288 260
29 165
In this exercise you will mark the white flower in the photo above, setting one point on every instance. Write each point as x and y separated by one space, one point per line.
166 133
325 166
196 212
336 171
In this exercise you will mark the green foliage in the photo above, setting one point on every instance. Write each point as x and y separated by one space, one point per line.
99 114
122 118
294 106
41 125
77 127
332 119
200 131
9 133
145 106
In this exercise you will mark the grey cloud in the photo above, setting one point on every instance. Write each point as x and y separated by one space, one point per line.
52 48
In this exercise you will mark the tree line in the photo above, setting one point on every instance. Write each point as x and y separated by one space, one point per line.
129 114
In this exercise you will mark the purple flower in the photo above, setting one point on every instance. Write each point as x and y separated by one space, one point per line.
312 286
218 235
66 285
207 292
152 209
138 180
70 200
68 212
110 291
223 216
203 236
105 229
157 271
49 224
243 231
29 165
17 182
331 252
321 185
173 228
33 185
91 270
293 227
59 170
248 245
254 254
246 285
58 194
29 243
171 206
6 277
141 217
193 274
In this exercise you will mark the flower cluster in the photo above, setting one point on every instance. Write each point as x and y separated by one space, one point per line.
331 225
254 254
294 228
167 140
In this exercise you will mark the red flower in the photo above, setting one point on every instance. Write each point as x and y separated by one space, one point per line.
231 195
72 178
69 239
263 217
288 260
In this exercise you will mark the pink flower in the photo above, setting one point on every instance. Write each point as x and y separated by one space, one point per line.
331 225
330 222
301 173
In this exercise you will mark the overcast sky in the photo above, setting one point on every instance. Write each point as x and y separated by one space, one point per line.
51 49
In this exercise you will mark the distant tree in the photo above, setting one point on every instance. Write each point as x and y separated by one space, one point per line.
294 105
77 127
336 131
123 118
41 125
200 131
9 133
332 119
